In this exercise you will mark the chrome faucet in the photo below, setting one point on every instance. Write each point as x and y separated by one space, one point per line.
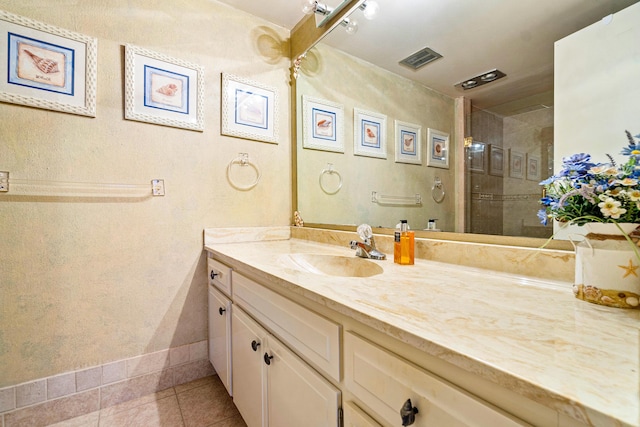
366 248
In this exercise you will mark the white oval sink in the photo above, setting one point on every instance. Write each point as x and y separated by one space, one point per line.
332 265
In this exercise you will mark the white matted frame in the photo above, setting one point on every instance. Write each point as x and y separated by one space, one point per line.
437 149
516 164
163 90
533 167
47 67
496 160
369 134
408 141
322 124
249 109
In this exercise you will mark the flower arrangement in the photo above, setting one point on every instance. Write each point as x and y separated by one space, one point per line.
584 191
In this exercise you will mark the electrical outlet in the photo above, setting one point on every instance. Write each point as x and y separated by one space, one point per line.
157 187
4 182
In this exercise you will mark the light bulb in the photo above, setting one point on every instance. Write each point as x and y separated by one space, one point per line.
351 26
308 6
371 9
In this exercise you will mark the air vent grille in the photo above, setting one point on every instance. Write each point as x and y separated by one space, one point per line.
420 58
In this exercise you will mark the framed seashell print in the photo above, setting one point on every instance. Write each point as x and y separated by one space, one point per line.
163 90
249 109
408 142
47 67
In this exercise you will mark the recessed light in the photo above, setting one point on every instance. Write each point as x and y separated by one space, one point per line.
484 78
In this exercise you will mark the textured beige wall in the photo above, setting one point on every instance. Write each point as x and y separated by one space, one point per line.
84 282
330 74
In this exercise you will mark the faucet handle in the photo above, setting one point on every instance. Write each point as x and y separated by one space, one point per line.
364 231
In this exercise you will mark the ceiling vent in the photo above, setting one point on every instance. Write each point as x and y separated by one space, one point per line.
420 58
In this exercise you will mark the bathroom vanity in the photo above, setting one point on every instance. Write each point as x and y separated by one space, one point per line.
304 333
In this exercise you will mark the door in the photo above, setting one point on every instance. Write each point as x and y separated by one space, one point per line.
220 335
249 341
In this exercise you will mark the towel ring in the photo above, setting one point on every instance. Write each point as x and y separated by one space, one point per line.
243 160
330 171
437 191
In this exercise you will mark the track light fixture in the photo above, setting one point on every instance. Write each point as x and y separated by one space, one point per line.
369 9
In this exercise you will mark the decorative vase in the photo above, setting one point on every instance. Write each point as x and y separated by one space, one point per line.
607 267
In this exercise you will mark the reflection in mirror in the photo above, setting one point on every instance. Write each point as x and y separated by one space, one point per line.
491 187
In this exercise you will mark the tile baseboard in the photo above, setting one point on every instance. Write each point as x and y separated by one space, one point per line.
57 398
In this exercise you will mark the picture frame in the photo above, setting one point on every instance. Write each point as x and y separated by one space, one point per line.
408 142
47 67
516 164
533 167
163 90
496 160
322 125
437 149
476 156
249 109
369 134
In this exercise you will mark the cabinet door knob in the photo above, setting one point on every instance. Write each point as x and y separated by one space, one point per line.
408 413
254 345
213 274
267 358
221 311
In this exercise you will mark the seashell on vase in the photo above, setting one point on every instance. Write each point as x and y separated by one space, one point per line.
607 266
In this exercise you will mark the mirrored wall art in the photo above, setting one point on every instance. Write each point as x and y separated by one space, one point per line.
322 125
369 134
437 149
408 143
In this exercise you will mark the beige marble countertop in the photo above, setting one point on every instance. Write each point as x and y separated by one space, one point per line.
528 335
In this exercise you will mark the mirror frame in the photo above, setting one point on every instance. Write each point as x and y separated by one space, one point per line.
304 36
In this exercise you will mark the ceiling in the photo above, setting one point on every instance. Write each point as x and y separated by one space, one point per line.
474 37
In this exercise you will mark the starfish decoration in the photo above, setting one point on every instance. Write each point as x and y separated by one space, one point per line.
629 269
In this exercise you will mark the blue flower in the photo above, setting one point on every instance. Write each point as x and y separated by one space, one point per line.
542 216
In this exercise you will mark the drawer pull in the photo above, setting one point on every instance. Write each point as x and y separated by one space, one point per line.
408 413
254 345
214 274
221 311
267 358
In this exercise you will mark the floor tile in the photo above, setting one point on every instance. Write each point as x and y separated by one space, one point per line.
205 405
89 420
162 413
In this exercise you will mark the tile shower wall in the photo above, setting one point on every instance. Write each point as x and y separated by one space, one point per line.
53 399
87 281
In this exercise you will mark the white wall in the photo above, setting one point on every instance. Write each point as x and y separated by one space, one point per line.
84 282
597 89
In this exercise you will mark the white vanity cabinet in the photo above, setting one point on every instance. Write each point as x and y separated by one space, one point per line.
274 387
386 383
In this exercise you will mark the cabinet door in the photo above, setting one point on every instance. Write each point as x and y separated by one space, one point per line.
220 335
296 394
249 344
356 417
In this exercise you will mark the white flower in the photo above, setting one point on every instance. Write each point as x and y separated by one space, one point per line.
611 208
627 181
634 195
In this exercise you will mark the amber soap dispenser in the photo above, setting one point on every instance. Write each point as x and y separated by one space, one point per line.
404 245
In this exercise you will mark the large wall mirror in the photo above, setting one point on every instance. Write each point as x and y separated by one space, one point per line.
379 141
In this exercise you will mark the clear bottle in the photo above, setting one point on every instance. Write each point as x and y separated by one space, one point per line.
396 246
407 244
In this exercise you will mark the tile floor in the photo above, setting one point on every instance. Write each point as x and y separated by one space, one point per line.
201 403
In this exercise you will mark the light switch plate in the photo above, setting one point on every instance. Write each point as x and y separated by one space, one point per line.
157 187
